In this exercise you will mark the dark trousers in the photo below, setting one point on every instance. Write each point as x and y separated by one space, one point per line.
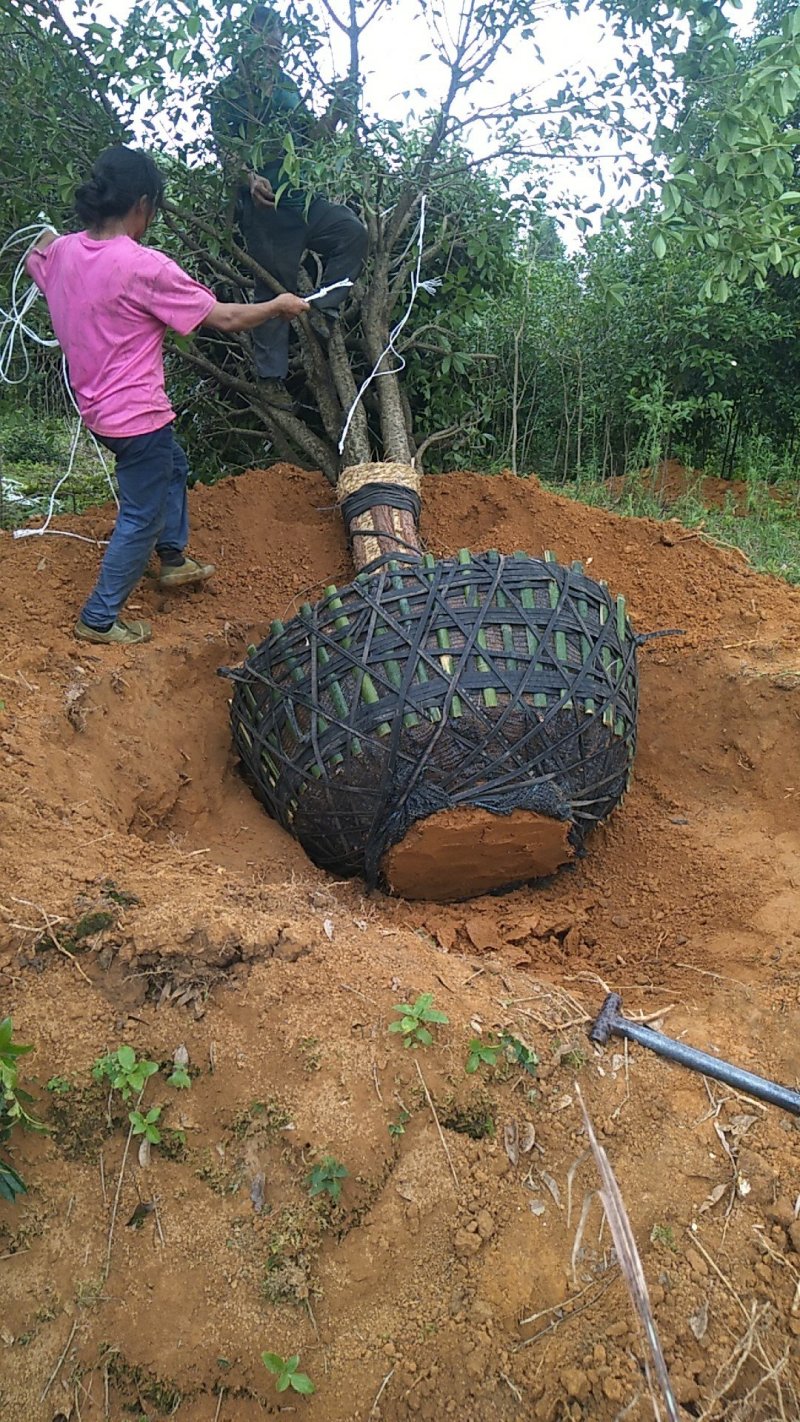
153 513
276 238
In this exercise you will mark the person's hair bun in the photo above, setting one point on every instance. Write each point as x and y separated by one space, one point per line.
120 178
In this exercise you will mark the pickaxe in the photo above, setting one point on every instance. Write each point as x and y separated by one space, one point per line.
611 1023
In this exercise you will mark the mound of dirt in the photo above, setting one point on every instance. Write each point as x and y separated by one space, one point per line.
466 1271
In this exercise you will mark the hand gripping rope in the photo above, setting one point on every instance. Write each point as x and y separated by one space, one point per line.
14 331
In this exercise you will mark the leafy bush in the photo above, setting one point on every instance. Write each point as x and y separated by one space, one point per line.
13 1103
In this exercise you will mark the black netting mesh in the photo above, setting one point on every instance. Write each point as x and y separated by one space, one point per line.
499 682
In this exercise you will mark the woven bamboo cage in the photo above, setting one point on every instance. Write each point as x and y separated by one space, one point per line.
443 726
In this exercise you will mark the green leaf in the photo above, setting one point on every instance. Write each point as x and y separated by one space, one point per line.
272 1362
126 1057
302 1383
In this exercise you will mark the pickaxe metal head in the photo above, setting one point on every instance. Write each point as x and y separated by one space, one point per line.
607 1019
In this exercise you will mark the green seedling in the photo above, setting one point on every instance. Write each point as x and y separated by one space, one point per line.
398 1127
519 1053
326 1178
663 1234
285 1371
413 1020
126 1074
58 1086
145 1124
482 1052
13 1103
179 1078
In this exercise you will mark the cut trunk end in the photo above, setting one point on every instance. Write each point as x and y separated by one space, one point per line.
463 852
380 506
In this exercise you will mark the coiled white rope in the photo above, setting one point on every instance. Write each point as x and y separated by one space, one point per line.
15 330
416 285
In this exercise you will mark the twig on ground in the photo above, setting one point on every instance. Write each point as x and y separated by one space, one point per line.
58 1365
219 1404
375 1079
551 1327
50 921
445 1146
554 1308
506 1379
107 1267
103 1181
381 1391
571 1173
626 1098
630 1263
585 1208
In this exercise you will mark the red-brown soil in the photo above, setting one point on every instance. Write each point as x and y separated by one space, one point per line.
406 1300
670 481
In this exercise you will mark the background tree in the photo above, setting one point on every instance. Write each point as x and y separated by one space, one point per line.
522 352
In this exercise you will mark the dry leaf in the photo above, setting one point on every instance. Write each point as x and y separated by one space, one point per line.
743 1187
8 1338
405 1192
698 1322
537 1207
511 1142
714 1198
552 1187
181 1057
257 1192
527 1137
328 926
144 1152
740 1125
143 1209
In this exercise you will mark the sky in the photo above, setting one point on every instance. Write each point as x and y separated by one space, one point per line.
392 48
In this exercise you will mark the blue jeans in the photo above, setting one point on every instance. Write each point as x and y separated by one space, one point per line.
153 513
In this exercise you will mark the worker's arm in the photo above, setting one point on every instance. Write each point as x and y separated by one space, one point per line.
43 241
243 316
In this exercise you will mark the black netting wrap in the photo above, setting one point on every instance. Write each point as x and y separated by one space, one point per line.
499 682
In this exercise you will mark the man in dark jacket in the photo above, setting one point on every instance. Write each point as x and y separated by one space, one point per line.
256 106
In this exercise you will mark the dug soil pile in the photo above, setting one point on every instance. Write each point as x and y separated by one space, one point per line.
466 1272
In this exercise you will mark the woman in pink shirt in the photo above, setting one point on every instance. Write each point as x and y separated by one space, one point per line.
111 301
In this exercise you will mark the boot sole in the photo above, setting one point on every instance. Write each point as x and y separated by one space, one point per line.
184 581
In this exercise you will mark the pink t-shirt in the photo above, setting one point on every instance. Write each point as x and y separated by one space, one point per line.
111 301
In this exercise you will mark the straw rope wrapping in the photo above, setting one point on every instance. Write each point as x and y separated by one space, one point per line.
500 682
395 489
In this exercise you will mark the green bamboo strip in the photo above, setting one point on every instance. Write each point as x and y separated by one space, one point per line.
443 641
586 652
608 712
560 639
410 718
429 563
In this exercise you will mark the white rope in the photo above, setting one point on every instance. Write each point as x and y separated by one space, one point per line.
14 322
416 285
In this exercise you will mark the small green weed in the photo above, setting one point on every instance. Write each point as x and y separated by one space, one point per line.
519 1053
663 1234
398 1127
482 1052
179 1078
326 1179
414 1020
13 1103
58 1085
309 1049
125 1073
285 1371
144 1124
